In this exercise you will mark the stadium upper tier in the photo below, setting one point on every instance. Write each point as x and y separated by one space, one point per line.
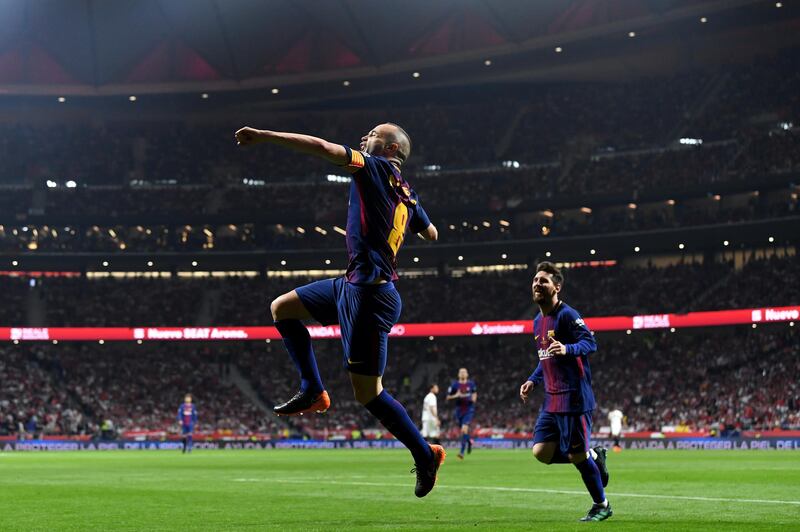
453 128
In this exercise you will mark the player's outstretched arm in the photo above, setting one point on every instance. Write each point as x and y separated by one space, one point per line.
334 153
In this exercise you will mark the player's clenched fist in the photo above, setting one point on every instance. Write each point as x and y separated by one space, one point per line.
524 390
246 135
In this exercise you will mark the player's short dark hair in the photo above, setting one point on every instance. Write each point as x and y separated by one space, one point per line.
549 267
403 140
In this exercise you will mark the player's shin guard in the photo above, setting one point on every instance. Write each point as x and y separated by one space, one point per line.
591 478
394 417
298 344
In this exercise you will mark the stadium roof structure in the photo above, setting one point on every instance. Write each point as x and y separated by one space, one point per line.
110 47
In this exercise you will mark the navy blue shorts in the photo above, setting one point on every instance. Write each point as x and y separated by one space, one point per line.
572 432
187 429
365 314
464 418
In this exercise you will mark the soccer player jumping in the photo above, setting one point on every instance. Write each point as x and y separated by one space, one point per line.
364 302
564 426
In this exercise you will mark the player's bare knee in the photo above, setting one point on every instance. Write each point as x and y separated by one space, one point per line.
576 458
365 388
275 308
542 454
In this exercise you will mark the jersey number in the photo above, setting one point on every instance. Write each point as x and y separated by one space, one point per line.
398 227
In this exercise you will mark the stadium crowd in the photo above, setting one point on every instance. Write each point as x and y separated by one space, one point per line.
616 289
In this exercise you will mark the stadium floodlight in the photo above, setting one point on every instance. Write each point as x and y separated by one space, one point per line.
416 259
703 20
725 243
547 254
283 263
504 256
771 239
204 96
131 98
779 4
105 263
755 325
488 62
275 90
150 263
592 251
415 75
51 184
631 34
690 141
61 99
461 257
559 49
346 83
327 261
14 263
681 246
194 263
637 249
71 184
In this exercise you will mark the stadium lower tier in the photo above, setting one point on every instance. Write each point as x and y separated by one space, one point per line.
720 381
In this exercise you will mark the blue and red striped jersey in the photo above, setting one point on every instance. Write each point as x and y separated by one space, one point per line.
567 378
463 404
187 414
383 206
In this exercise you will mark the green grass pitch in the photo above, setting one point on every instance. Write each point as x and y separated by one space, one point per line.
373 490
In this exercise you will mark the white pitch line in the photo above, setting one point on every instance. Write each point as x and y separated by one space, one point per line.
520 490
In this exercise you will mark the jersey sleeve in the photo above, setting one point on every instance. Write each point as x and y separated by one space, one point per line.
356 160
537 377
583 340
419 218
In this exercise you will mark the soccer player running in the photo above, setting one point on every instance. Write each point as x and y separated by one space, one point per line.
464 392
365 303
187 417
564 426
431 425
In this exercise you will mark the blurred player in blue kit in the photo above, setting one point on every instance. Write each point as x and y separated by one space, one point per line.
564 426
187 417
382 208
465 394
